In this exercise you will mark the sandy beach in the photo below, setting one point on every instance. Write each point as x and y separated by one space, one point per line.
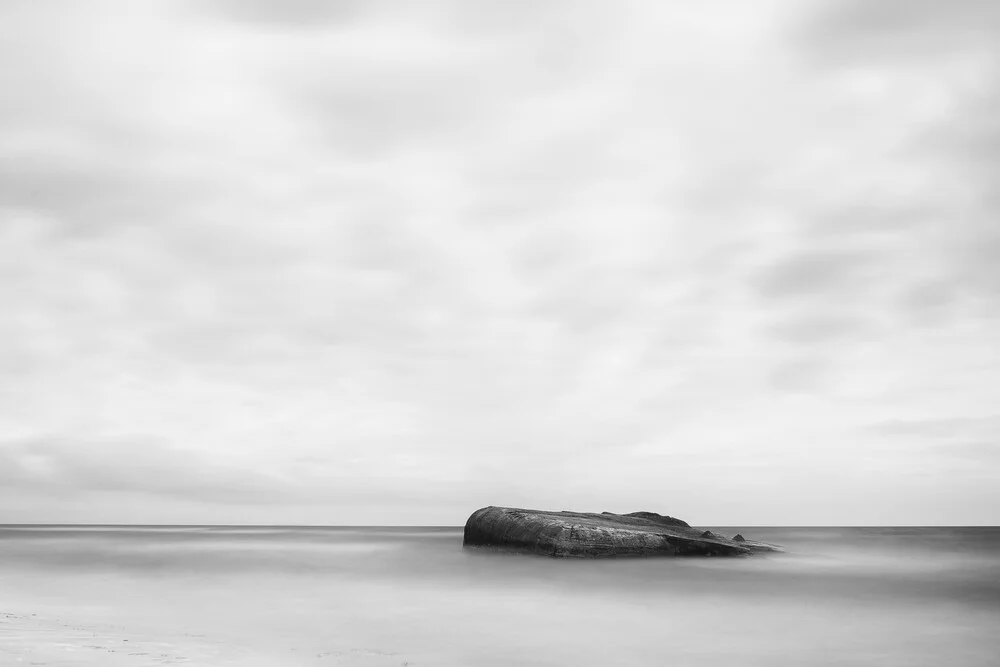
64 639
42 639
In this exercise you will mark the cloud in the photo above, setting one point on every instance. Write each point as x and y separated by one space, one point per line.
361 255
130 465
976 452
858 29
955 428
816 271
297 14
800 375
935 68
819 328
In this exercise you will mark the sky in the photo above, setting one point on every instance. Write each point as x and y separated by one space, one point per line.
365 262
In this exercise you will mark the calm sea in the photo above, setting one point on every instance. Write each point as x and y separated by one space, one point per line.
840 596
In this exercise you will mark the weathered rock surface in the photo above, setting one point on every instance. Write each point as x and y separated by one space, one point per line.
597 535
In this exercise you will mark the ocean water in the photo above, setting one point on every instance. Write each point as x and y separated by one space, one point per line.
413 596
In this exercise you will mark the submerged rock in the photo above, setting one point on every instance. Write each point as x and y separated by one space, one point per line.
597 535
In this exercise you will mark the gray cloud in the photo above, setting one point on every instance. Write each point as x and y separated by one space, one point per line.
977 452
955 428
942 63
858 29
802 375
821 328
815 272
130 465
77 470
296 14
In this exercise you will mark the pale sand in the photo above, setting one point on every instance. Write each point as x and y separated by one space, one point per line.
47 639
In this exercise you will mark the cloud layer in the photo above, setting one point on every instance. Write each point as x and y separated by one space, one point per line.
310 262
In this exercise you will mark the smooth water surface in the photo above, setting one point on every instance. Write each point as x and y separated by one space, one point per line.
394 596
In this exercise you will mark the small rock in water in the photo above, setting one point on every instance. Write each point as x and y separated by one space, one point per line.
587 535
739 538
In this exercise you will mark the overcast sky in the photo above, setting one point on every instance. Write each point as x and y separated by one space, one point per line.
359 262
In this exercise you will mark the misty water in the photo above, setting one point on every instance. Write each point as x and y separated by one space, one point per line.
395 596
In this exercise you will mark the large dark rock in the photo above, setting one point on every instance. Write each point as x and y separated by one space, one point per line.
594 535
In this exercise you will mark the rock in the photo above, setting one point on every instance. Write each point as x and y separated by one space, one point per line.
756 546
659 518
739 538
594 535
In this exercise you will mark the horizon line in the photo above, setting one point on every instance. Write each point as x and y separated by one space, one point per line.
457 526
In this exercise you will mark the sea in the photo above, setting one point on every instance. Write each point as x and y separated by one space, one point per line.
269 595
